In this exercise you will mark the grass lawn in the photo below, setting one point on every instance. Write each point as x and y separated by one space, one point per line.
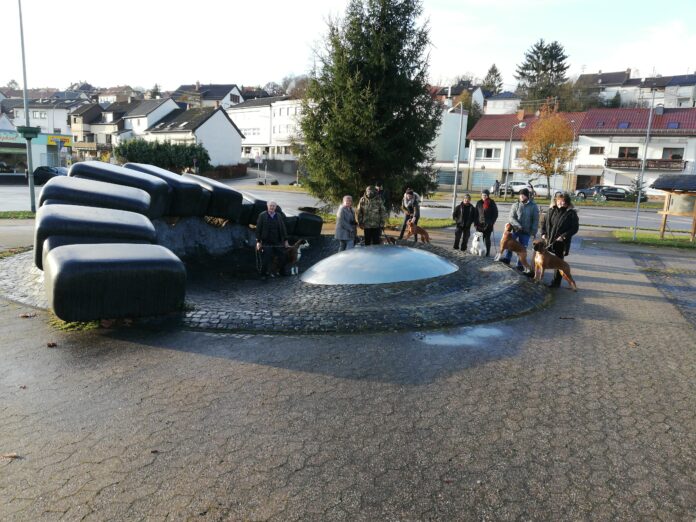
653 239
17 214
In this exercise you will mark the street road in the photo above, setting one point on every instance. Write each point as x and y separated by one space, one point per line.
15 197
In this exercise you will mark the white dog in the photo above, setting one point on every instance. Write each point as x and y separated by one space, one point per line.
478 247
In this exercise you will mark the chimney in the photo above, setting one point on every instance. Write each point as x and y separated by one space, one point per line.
520 115
198 85
628 72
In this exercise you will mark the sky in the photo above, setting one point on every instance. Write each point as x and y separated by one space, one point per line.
145 42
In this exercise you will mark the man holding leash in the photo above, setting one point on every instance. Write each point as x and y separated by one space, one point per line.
524 218
271 239
410 205
487 215
464 216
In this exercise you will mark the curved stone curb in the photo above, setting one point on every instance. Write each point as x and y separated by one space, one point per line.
481 291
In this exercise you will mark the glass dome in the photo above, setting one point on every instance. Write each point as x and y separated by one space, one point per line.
376 265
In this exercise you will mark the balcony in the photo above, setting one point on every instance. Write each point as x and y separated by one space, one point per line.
651 164
84 145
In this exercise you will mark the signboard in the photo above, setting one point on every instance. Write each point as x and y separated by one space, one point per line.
59 140
10 137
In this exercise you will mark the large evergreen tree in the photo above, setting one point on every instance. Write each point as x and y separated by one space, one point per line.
493 82
368 116
543 70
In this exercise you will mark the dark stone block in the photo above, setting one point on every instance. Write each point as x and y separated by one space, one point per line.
308 225
291 224
112 280
73 220
57 241
245 216
188 197
224 202
89 193
159 190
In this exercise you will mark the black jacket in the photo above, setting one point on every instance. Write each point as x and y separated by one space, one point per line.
465 215
271 231
563 223
486 218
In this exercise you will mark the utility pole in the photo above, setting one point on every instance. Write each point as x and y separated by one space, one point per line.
642 165
28 132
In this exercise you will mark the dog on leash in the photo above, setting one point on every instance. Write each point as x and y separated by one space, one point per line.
544 259
294 254
414 229
478 246
388 240
507 242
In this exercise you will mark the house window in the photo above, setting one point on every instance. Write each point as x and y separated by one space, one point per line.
669 153
600 124
628 152
108 139
518 153
623 125
74 120
234 98
487 153
672 124
597 150
56 131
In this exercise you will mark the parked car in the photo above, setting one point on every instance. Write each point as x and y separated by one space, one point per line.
588 192
44 173
620 194
515 187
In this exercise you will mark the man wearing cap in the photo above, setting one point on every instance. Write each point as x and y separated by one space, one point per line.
524 218
487 215
371 216
464 216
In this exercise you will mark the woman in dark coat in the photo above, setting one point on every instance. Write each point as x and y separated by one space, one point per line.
486 217
559 227
464 215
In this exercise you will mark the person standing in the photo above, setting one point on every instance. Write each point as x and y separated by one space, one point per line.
346 224
410 205
524 218
371 216
464 216
487 215
271 239
559 227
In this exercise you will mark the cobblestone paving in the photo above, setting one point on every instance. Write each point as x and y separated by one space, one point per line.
585 411
480 291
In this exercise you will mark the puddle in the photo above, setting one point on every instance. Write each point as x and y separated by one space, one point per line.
467 336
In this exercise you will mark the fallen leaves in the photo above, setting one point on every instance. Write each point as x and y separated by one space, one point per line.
22 386
10 456
28 315
51 345
633 344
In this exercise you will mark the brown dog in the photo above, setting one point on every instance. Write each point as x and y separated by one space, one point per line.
507 242
418 231
544 259
388 240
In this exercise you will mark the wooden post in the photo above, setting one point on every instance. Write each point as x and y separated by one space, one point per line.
665 209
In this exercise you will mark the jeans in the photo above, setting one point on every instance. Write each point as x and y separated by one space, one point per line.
523 238
345 244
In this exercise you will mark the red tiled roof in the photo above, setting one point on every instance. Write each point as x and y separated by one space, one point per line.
498 126
607 121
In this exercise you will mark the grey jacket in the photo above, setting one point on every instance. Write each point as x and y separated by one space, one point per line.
525 217
345 224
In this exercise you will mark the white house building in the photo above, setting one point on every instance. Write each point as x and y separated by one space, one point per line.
51 115
143 116
254 120
212 128
504 103
612 143
285 127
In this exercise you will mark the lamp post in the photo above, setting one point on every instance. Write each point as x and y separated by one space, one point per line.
27 135
521 125
459 148
642 164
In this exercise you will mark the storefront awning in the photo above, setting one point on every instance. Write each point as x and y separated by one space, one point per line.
13 150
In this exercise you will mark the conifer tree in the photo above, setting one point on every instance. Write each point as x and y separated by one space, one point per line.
543 70
493 82
368 115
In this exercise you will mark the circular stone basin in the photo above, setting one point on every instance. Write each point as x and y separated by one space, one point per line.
376 265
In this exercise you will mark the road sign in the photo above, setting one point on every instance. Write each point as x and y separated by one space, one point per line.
29 133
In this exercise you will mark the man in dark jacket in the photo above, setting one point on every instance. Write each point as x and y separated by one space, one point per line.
487 216
271 239
464 216
559 227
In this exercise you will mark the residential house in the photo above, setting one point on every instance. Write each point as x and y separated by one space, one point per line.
81 119
285 127
478 95
207 126
109 125
254 119
611 145
121 93
53 116
211 95
144 115
496 145
504 103
448 138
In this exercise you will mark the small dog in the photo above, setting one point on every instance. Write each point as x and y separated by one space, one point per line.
294 254
388 240
508 243
478 246
544 259
417 231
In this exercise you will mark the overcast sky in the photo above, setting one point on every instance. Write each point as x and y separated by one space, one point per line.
143 42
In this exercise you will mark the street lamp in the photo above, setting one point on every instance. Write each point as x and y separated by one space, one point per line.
521 125
459 148
28 134
642 164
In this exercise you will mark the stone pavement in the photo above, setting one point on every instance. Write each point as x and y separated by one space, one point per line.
584 411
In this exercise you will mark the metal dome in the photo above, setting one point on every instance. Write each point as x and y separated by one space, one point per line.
376 265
